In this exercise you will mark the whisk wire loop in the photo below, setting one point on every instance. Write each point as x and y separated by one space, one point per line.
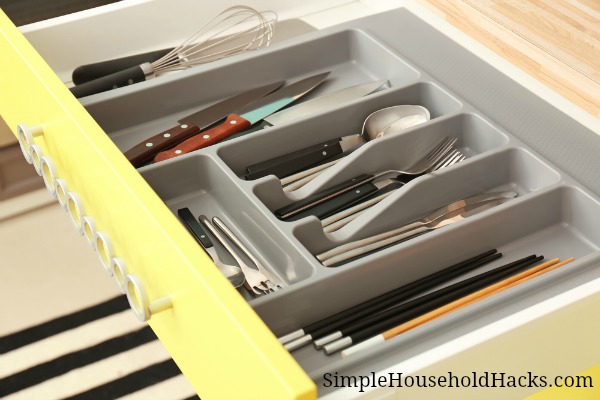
249 29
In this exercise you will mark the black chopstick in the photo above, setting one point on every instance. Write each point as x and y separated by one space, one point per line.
378 323
385 300
480 295
347 329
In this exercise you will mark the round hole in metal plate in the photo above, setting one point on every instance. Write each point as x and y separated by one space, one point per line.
49 175
36 157
75 208
104 248
61 193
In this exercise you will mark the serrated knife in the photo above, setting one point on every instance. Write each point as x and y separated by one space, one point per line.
245 117
190 125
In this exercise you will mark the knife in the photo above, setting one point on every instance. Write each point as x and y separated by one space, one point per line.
245 117
441 214
188 126
286 165
298 161
318 104
376 242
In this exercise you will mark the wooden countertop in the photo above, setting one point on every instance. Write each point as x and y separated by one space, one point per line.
556 41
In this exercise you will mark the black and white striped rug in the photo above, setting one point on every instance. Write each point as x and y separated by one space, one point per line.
100 352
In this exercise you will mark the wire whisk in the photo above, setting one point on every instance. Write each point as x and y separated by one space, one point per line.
235 30
214 41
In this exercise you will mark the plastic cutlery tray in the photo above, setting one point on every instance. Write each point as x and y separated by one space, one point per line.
513 141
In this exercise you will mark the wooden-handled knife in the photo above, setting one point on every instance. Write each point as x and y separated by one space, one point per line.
245 117
145 151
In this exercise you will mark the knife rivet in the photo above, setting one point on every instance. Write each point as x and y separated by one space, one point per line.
358 191
177 151
324 153
184 126
149 144
233 122
206 136
167 135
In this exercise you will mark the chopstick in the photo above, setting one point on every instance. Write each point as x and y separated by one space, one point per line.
457 304
305 335
383 321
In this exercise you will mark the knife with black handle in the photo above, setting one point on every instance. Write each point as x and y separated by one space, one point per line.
313 155
346 192
297 161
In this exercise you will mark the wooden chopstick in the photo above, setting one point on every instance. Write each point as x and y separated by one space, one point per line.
458 304
396 296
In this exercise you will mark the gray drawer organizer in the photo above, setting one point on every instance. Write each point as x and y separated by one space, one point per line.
513 139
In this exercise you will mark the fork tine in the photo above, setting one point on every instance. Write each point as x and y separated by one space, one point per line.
449 144
447 160
438 149
452 158
433 157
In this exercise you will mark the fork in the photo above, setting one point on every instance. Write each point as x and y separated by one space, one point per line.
268 279
440 218
255 280
353 190
342 218
301 178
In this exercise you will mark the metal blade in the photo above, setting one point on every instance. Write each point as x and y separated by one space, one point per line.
275 101
212 114
335 98
466 212
469 201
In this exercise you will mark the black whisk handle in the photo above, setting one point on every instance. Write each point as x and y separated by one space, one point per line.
118 79
89 72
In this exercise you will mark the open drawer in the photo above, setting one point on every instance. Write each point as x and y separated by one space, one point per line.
513 131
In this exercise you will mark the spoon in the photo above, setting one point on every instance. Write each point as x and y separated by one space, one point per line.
380 123
385 122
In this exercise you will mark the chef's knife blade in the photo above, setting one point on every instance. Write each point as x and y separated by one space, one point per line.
312 106
245 117
188 126
326 101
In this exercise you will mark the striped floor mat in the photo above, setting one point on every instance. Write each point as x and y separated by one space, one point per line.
100 352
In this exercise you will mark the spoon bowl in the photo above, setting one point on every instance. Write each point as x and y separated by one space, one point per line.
391 120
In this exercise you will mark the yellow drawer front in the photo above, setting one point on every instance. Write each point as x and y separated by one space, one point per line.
217 340
574 392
